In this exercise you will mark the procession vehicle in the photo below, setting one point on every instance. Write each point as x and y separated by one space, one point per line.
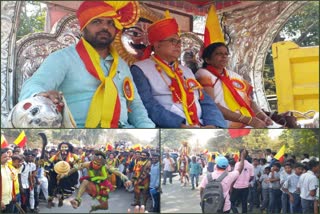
250 28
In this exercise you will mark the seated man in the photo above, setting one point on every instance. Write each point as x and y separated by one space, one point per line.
95 81
169 91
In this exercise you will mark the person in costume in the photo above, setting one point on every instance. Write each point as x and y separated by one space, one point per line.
169 91
113 161
183 167
229 90
96 184
141 178
96 83
62 187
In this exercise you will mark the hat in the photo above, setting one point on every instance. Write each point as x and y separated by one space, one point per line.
124 13
62 167
97 152
160 30
222 162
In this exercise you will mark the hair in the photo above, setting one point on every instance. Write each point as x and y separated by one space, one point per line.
207 52
268 150
306 155
17 157
277 164
5 150
268 168
70 147
213 156
273 153
263 160
297 165
313 163
288 164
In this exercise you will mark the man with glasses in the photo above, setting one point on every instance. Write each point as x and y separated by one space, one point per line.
169 91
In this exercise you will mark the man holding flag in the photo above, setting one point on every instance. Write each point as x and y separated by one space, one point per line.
228 89
21 140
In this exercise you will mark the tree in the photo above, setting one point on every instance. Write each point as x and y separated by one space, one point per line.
301 28
32 18
173 137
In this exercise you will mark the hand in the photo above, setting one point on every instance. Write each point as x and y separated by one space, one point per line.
2 206
262 116
291 199
41 162
257 123
55 97
188 126
127 184
137 209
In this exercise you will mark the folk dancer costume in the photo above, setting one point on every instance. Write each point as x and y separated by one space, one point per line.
230 91
114 163
183 167
62 187
170 93
97 184
99 92
141 179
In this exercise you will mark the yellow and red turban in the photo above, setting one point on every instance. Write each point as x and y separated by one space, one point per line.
160 30
124 13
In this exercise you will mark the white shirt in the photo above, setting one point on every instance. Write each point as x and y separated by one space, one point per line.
26 171
166 163
307 182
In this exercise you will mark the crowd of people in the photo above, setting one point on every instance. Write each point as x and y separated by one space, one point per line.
30 175
255 184
289 186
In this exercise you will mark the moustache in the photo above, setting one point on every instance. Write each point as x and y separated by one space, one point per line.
104 32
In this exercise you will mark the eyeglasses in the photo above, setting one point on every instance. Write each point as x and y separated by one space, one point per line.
173 41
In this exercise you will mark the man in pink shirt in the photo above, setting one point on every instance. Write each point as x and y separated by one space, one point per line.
221 166
241 186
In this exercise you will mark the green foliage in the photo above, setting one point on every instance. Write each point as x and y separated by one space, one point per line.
172 138
300 141
303 29
32 18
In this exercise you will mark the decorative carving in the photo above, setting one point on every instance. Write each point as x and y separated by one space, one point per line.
9 16
33 49
252 31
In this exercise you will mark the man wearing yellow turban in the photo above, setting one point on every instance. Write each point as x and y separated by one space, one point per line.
95 81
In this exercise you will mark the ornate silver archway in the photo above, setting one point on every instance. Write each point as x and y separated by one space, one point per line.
252 30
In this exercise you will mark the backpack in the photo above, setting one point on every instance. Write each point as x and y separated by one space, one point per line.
212 200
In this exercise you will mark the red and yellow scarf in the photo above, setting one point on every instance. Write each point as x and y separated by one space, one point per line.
232 98
105 105
181 92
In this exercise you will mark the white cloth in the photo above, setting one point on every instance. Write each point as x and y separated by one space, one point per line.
308 182
6 184
166 163
160 90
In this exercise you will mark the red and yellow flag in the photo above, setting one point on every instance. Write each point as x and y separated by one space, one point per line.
280 155
4 142
212 32
137 147
109 147
21 140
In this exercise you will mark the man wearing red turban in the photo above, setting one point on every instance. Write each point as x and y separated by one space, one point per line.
169 91
95 81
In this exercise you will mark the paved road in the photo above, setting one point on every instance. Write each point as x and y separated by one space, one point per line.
119 202
179 199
